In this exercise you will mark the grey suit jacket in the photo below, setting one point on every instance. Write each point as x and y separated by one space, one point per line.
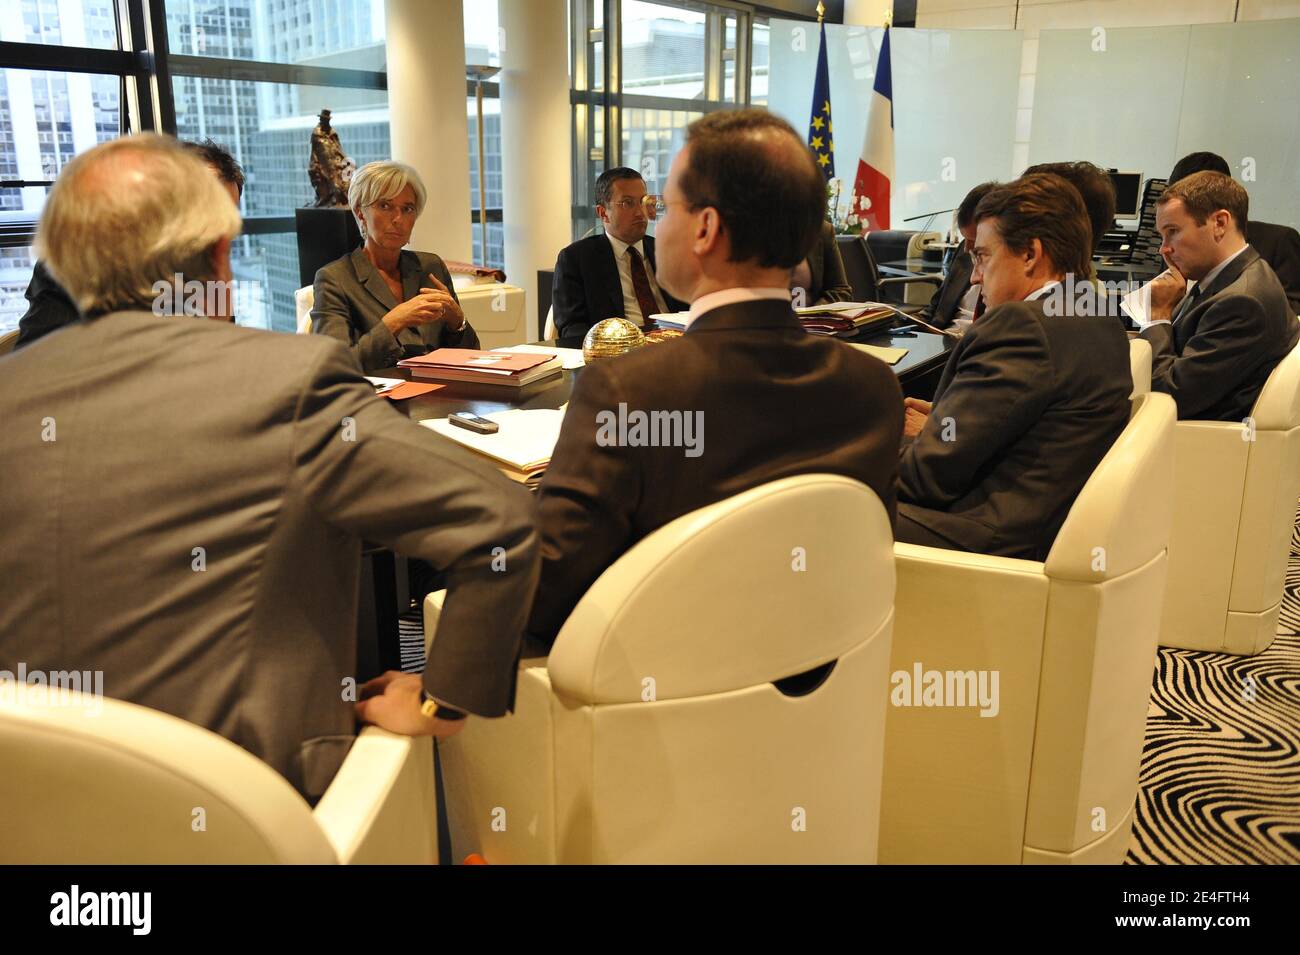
184 511
1279 246
1216 356
1027 405
944 304
352 298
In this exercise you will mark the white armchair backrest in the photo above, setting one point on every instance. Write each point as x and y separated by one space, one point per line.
1122 516
1269 495
91 780
303 300
1107 573
1278 406
743 592
1139 362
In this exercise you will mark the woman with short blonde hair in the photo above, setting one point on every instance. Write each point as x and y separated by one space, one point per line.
382 300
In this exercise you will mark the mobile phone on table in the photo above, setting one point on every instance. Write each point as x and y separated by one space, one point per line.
472 422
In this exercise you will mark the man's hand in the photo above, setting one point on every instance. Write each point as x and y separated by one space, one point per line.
915 414
1167 290
392 702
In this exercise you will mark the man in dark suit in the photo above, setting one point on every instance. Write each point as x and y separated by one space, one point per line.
1213 350
954 299
611 275
1033 395
191 503
1278 245
50 307
763 398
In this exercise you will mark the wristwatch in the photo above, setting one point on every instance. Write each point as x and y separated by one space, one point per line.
431 707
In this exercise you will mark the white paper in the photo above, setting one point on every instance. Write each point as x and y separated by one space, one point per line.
890 356
671 319
524 439
1137 304
385 384
570 358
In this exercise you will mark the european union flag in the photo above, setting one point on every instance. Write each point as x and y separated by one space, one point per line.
820 140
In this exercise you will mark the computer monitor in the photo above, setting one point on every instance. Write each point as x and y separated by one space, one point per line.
1128 193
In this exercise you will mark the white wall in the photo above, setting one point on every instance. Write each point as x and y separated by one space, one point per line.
954 115
1149 66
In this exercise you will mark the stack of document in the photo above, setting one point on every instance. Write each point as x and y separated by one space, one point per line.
522 445
570 358
483 367
675 320
845 318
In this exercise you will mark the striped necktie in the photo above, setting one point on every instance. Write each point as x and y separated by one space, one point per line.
645 298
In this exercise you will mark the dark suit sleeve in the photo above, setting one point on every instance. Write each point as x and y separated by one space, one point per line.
587 499
1286 264
466 337
50 308
941 310
1213 361
834 283
569 296
331 314
371 472
997 391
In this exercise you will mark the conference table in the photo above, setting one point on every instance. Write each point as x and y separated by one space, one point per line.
384 587
917 372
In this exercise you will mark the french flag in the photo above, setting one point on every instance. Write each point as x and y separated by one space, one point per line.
876 165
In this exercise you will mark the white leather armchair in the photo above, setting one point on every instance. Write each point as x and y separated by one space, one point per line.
1139 361
671 723
304 299
1234 507
91 781
1050 774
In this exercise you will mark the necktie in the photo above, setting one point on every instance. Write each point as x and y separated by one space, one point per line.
1189 302
645 298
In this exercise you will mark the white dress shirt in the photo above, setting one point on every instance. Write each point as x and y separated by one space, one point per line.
632 308
733 296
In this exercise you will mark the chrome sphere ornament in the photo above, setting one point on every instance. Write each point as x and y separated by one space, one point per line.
611 337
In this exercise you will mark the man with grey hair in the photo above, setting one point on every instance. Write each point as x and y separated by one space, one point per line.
204 554
52 309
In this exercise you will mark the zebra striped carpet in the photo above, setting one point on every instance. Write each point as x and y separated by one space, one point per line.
1220 779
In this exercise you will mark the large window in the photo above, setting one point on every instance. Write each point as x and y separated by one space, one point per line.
642 71
254 75
54 103
249 74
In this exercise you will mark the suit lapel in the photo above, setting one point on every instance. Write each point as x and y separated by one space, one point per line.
412 278
1186 320
614 289
371 280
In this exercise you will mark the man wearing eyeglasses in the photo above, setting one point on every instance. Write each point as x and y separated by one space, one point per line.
612 275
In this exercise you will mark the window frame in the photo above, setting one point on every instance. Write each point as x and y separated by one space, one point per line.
607 101
146 69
